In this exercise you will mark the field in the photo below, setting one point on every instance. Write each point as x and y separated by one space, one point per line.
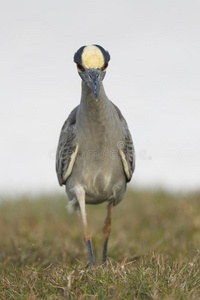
154 249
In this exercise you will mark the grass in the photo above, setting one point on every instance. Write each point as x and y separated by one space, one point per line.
154 249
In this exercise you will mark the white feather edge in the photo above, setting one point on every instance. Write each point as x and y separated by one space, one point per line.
125 164
71 164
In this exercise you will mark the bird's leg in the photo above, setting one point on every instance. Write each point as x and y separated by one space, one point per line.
87 235
106 232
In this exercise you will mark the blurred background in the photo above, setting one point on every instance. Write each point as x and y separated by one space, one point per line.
153 77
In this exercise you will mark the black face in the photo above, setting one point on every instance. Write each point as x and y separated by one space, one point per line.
78 55
92 67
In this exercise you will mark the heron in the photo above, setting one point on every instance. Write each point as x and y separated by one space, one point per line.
95 155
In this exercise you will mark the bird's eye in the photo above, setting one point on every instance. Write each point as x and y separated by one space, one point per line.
80 68
104 67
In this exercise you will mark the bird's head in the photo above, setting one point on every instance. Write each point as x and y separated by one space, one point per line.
92 62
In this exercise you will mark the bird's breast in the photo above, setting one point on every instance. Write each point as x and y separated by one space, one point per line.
98 167
100 176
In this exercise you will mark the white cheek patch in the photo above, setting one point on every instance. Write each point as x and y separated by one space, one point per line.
92 57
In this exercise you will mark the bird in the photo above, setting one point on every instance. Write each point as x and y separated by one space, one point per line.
95 157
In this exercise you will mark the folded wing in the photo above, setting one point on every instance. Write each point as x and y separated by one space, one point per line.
126 148
67 148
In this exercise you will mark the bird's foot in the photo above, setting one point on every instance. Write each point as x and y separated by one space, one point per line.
90 251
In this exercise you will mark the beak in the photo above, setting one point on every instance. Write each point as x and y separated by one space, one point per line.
94 79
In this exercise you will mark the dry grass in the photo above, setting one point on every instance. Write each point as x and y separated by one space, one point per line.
154 249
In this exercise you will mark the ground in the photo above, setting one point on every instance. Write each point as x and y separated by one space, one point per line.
153 251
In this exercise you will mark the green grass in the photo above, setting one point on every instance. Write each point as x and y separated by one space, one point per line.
154 249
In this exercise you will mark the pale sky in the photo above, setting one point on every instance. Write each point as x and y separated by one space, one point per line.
153 77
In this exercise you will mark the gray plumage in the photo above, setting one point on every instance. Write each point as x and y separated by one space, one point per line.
95 155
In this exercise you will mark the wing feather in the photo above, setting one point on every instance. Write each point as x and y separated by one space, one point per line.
67 148
126 148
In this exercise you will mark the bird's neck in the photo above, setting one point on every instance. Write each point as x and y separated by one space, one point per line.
95 118
92 107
